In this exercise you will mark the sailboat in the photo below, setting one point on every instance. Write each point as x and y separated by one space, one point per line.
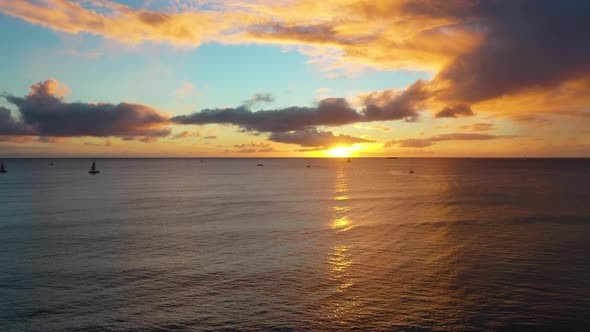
2 169
93 169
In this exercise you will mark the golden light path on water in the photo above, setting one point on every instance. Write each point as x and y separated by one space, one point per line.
341 304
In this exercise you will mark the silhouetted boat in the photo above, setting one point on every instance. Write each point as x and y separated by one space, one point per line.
2 169
93 169
308 166
411 172
260 165
349 160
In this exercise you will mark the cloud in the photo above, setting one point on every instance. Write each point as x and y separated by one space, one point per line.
123 23
16 139
518 52
44 113
455 111
9 126
533 120
376 127
482 49
45 139
425 142
410 143
388 105
522 58
315 138
480 126
259 98
298 125
185 134
330 112
349 26
253 148
395 105
184 91
105 143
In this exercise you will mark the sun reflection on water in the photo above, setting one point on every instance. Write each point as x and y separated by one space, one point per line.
342 224
342 303
341 198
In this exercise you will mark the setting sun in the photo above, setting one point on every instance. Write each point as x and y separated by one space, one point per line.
341 151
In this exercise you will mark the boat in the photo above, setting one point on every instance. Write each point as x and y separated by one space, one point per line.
93 169
349 160
260 165
2 169
411 172
308 166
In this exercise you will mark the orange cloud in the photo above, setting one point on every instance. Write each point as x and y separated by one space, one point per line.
382 34
480 126
124 23
425 142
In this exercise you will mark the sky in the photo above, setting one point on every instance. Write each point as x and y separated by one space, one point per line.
295 78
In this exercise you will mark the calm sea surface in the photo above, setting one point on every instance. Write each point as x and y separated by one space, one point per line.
180 244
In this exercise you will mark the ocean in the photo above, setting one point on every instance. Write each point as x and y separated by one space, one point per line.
224 244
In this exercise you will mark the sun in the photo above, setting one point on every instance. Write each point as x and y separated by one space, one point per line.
341 151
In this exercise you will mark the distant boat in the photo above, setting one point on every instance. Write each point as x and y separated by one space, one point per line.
93 169
349 160
411 172
260 165
2 169
308 166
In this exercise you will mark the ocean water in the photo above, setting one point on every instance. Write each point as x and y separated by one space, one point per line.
221 244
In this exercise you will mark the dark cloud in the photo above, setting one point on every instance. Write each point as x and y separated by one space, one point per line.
297 125
49 139
393 105
330 112
455 111
185 134
424 142
388 105
11 127
527 45
47 115
315 138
